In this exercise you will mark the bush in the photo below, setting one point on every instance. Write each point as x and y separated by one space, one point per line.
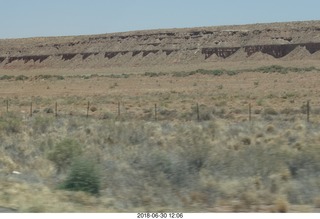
281 205
270 111
45 76
60 77
21 78
10 123
48 110
6 77
217 72
83 176
64 152
106 115
154 74
272 69
41 124
183 74
231 72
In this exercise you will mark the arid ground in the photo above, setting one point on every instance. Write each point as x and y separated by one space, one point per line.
141 128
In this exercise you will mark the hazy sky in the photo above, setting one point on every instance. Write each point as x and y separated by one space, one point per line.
28 18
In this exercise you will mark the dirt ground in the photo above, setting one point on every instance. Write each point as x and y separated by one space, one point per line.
137 94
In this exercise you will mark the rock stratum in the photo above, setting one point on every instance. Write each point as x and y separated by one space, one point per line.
275 41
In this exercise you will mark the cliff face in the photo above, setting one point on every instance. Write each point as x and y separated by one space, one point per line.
166 47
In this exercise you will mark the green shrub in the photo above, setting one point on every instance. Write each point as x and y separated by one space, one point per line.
106 115
64 152
83 176
270 111
10 123
282 70
217 72
273 69
6 77
231 72
183 74
294 69
220 86
48 110
21 78
45 76
154 74
41 124
123 75
311 68
60 77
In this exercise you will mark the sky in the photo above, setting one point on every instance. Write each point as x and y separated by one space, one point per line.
35 18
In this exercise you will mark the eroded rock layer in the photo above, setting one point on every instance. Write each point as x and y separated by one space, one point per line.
164 47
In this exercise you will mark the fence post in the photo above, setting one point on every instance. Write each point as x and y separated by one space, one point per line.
7 105
155 112
56 109
88 109
250 118
31 109
119 109
198 113
308 110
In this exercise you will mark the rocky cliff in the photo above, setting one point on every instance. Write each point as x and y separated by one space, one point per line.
295 40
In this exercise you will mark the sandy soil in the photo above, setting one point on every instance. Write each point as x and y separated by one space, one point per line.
139 93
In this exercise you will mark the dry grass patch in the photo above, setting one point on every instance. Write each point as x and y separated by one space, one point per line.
281 205
188 165
317 202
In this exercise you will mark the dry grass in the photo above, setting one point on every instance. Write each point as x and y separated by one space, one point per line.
189 166
281 205
317 202
222 163
176 98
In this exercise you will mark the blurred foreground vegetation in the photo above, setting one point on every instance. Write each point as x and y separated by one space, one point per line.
87 165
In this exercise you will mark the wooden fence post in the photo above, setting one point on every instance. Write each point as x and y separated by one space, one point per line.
155 112
308 110
88 107
119 109
7 105
250 118
56 109
198 113
31 109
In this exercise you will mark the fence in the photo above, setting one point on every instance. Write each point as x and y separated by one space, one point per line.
197 112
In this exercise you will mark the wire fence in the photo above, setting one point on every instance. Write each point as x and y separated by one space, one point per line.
195 112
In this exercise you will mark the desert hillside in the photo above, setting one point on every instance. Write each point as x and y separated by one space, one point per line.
151 50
